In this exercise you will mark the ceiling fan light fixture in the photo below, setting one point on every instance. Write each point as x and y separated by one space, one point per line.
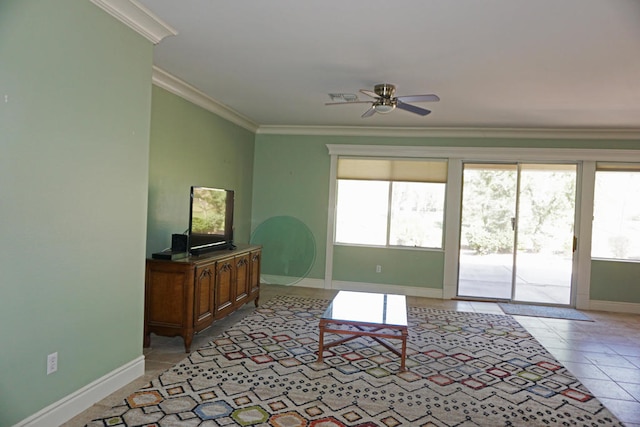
384 106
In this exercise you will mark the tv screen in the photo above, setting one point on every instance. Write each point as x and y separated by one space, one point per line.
210 219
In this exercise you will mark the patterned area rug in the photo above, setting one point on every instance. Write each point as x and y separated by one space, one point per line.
465 369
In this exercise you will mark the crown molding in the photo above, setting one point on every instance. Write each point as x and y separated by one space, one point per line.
487 153
138 18
444 132
184 90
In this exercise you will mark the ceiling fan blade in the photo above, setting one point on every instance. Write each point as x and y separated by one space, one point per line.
369 93
419 98
347 102
370 112
412 108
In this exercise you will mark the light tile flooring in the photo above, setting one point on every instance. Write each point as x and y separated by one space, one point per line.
604 355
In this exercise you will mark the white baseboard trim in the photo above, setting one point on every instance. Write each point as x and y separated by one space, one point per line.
270 279
412 291
614 306
73 404
311 283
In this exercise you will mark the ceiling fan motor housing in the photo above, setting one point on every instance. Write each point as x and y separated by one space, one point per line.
384 90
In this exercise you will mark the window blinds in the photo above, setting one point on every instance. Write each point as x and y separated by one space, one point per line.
618 167
392 169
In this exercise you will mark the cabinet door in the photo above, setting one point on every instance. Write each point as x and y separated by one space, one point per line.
254 272
242 279
168 303
167 295
224 287
203 300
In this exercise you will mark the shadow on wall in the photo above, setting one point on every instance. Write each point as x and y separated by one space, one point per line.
289 250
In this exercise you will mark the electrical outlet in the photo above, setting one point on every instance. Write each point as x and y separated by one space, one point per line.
52 363
378 269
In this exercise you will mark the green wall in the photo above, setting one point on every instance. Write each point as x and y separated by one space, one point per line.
291 177
75 89
192 146
615 281
403 267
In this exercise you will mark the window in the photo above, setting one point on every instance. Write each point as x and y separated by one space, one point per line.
616 212
385 202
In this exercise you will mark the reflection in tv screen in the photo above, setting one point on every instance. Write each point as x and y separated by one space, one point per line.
209 207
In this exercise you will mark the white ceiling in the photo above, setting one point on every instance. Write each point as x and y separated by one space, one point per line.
558 64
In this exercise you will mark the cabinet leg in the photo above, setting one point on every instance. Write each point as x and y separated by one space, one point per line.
187 343
146 342
256 301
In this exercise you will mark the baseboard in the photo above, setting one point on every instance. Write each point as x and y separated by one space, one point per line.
413 291
70 406
311 283
305 282
614 306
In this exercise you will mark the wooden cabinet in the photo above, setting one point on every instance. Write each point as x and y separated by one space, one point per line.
185 296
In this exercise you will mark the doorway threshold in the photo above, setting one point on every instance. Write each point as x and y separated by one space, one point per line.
479 299
554 312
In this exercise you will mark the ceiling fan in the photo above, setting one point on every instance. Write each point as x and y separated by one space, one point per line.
385 101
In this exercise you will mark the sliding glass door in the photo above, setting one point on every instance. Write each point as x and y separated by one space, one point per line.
517 232
487 237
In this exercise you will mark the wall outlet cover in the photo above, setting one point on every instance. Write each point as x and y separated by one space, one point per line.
52 363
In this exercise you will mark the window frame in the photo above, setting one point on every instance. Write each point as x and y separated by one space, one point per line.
610 167
439 177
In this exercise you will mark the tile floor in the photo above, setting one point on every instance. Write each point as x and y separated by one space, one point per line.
604 355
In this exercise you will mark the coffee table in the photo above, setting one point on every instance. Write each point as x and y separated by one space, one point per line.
358 314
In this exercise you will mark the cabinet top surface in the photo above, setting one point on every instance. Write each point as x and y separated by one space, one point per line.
212 256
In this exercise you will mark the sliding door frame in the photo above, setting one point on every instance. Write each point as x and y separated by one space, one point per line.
515 201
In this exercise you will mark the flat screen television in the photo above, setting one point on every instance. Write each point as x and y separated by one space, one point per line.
210 220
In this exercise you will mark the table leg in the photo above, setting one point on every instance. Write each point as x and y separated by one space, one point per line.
321 340
403 357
